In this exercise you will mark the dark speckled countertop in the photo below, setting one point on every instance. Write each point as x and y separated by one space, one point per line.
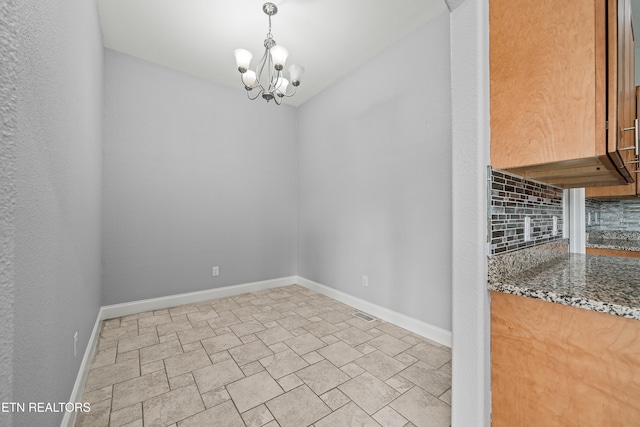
597 283
619 244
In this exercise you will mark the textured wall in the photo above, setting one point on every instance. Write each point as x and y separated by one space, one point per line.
195 176
58 189
375 180
471 384
8 79
612 215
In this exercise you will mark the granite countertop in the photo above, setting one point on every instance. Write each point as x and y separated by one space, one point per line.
618 244
598 283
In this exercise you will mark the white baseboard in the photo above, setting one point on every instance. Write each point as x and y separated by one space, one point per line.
434 333
69 418
134 307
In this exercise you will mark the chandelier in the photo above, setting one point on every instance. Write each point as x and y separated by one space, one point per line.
268 79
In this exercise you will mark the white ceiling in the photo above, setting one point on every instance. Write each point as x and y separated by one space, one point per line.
330 38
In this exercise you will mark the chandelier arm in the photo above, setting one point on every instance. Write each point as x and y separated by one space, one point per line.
260 68
258 93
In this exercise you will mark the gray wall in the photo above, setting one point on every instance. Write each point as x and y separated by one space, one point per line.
471 381
195 176
375 181
58 189
8 79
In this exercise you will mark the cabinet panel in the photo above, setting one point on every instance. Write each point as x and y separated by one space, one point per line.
549 86
554 365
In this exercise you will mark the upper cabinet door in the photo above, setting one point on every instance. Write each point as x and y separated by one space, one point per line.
550 89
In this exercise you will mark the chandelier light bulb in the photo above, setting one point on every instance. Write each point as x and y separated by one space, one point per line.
279 56
268 78
243 59
295 72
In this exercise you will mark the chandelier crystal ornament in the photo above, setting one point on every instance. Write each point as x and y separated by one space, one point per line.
269 79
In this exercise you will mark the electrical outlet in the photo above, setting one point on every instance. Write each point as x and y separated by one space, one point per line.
75 345
216 271
365 281
554 231
527 228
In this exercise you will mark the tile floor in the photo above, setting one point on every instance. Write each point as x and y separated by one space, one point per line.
286 357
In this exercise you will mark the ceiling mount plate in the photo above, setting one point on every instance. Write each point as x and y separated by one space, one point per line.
270 9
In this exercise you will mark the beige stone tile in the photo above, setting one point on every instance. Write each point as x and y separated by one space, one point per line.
253 391
266 316
252 368
400 383
422 409
312 357
171 407
247 310
340 353
110 324
136 423
223 331
223 321
363 324
353 336
375 332
348 415
321 329
192 346
387 417
278 347
186 362
388 344
182 309
352 369
446 368
406 358
168 337
334 316
217 375
215 397
381 365
220 343
284 306
97 417
292 322
246 328
298 407
130 330
369 392
147 330
269 324
322 377
107 375
135 343
226 305
135 316
147 322
446 397
126 415
329 339
224 414
365 348
246 339
129 355
278 294
161 311
393 330
303 344
290 382
98 395
208 314
219 356
335 399
104 357
158 365
274 335
244 298
298 331
159 351
181 381
342 325
262 301
251 352
257 417
284 363
196 334
106 344
180 324
429 378
138 389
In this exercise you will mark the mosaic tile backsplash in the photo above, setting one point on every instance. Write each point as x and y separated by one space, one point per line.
612 215
513 199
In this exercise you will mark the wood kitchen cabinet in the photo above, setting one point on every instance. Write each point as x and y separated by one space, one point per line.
558 90
555 365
